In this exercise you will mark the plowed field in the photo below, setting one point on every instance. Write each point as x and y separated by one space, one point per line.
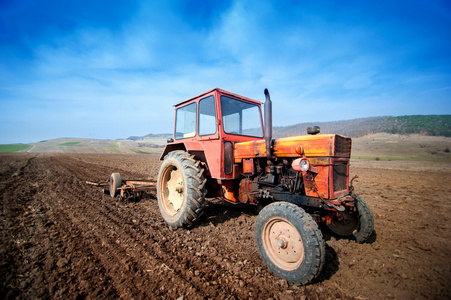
64 239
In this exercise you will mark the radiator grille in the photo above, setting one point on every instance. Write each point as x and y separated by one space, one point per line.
342 146
340 177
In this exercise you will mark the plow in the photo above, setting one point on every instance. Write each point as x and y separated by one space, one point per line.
126 189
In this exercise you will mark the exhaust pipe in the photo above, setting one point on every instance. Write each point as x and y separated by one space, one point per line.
268 125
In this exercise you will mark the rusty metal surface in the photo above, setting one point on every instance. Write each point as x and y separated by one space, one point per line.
317 146
248 166
247 192
327 154
228 192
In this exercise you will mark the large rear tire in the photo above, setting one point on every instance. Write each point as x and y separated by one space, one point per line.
181 189
290 242
357 225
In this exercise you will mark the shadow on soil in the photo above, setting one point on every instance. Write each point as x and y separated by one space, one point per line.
217 212
331 265
327 235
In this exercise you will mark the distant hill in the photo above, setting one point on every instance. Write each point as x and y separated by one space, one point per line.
81 145
150 136
373 147
432 125
366 128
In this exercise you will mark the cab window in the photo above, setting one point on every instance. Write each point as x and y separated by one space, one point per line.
207 116
185 124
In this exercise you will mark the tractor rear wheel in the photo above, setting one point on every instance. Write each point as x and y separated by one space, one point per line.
181 189
115 184
290 242
357 225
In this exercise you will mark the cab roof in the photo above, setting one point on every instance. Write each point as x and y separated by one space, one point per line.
222 92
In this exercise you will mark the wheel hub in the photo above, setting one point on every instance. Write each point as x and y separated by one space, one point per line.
175 189
345 223
283 243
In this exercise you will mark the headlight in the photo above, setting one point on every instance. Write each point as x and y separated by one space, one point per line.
301 164
304 164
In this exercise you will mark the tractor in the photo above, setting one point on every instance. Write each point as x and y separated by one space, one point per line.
222 148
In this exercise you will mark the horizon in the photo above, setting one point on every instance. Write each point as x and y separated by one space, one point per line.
74 68
171 133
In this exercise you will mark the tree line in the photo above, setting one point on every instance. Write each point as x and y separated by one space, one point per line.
434 125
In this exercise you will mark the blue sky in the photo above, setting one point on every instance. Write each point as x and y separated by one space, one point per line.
112 69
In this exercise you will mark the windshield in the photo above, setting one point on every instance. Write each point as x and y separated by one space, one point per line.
241 118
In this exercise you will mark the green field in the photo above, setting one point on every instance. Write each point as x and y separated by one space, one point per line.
69 144
13 147
391 147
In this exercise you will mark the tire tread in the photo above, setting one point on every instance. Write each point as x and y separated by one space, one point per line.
315 249
195 185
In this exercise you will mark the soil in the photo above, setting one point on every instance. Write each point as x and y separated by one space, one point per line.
64 239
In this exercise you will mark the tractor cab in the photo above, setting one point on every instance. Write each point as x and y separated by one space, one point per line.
208 126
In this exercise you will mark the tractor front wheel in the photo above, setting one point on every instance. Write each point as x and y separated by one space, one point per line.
357 225
181 189
290 242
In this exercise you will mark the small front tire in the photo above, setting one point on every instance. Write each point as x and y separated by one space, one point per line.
290 242
357 225
366 226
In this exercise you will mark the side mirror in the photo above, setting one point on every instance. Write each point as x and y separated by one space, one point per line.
170 140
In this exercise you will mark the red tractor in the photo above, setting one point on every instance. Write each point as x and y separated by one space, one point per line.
222 148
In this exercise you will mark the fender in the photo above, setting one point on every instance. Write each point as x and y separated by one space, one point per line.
172 147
